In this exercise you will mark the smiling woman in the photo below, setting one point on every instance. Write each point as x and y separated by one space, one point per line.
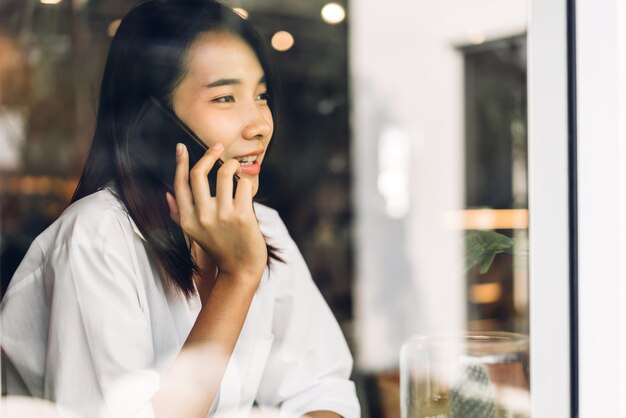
135 302
227 103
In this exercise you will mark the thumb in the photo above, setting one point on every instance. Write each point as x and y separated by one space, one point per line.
171 202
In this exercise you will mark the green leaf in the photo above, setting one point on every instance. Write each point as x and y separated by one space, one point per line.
483 246
486 261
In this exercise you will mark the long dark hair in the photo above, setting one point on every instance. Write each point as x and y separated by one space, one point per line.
147 58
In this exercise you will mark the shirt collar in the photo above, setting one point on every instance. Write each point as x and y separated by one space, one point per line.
135 228
111 187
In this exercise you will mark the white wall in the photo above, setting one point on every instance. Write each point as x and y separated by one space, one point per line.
601 66
407 88
622 199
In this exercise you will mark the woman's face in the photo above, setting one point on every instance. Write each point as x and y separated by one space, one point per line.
222 98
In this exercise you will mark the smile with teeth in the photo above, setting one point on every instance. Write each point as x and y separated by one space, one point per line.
249 160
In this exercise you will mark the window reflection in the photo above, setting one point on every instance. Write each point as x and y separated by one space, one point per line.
496 177
450 75
434 149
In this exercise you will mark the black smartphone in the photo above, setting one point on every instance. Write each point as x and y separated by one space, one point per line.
152 144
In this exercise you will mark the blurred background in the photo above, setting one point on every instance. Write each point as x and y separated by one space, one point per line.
401 141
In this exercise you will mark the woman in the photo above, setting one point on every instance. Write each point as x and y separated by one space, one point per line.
139 303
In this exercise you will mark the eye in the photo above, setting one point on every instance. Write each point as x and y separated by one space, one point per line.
265 96
224 99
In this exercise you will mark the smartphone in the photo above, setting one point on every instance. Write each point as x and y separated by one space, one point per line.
152 144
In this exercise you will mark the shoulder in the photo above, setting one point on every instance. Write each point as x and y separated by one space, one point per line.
292 272
94 205
92 224
95 220
272 226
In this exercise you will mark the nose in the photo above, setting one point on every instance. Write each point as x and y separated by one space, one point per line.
259 124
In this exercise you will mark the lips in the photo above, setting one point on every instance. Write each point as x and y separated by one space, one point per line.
249 163
251 168
249 158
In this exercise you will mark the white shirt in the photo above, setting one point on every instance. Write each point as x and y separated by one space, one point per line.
87 310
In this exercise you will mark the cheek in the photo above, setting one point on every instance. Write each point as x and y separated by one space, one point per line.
214 127
267 113
270 120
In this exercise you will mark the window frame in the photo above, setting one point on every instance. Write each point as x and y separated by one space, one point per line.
549 207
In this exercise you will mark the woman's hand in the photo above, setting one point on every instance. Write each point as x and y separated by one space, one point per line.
226 228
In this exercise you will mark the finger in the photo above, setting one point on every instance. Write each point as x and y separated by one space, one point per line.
173 206
243 195
182 191
199 176
224 188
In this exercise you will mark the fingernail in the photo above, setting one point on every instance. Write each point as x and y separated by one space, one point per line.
218 146
179 149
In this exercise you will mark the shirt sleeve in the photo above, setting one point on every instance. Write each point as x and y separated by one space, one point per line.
310 364
100 358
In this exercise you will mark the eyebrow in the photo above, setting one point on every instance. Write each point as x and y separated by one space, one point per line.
229 82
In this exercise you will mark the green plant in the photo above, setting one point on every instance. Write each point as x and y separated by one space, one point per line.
482 247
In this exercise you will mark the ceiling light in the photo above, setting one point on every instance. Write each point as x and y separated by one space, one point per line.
475 36
282 41
50 1
333 13
241 12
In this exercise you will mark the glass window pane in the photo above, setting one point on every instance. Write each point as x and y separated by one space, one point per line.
440 178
